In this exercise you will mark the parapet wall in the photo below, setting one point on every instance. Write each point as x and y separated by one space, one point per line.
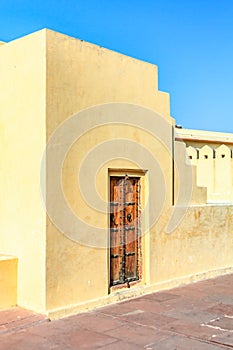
214 170
212 155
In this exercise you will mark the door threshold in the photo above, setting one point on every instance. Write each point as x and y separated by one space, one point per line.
125 285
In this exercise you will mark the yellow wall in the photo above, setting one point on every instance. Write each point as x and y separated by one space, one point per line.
47 78
212 154
8 281
202 243
187 190
81 75
22 128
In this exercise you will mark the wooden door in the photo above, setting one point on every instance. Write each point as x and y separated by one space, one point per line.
124 229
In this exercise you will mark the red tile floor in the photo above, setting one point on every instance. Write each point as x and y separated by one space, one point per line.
194 317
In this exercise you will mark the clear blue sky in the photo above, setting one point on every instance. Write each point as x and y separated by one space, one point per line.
191 41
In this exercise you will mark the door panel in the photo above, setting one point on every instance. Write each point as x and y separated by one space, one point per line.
124 229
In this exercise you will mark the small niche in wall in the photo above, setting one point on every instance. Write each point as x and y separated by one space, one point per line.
206 156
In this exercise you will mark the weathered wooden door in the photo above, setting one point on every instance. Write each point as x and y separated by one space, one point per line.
124 229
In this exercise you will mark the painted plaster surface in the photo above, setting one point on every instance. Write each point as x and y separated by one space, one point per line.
8 281
204 237
48 78
212 154
22 128
116 78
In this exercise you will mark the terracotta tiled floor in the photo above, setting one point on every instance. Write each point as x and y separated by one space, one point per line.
195 317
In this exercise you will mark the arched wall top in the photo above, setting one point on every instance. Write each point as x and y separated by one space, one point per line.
206 152
192 152
223 152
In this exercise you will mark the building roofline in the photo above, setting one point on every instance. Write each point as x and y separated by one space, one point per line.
203 136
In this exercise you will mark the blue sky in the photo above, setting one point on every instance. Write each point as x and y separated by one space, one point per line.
191 42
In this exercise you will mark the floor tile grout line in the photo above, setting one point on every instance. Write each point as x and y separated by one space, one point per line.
19 328
196 338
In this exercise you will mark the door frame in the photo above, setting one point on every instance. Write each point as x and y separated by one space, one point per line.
144 235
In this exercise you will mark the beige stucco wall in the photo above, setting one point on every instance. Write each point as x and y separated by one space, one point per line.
203 242
82 75
8 281
85 75
47 78
212 154
187 190
22 129
74 278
